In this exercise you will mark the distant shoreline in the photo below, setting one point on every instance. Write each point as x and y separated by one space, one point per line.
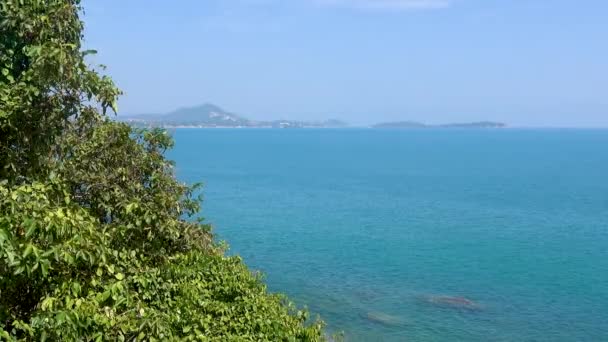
509 128
211 116
332 128
335 128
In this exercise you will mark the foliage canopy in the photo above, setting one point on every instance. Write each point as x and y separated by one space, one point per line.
95 243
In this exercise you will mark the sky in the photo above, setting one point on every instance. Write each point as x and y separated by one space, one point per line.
522 62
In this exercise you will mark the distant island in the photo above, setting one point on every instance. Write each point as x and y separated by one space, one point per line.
212 116
413 124
400 124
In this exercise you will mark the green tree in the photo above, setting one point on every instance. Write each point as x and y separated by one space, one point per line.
95 240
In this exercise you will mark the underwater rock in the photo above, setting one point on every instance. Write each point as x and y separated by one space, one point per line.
454 302
384 319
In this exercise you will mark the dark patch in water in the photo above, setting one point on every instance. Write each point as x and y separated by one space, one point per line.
384 319
454 302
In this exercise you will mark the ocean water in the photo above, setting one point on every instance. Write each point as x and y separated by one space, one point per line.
374 229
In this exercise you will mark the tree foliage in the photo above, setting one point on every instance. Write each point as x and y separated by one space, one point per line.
95 240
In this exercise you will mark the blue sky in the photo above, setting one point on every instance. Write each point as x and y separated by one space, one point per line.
524 62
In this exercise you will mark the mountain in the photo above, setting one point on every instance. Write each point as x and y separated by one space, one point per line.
210 115
207 115
412 124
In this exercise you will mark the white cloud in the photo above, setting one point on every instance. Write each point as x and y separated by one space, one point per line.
389 4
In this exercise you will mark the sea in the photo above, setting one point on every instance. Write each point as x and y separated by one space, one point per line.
417 234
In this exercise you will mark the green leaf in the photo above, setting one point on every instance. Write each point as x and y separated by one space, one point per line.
89 52
114 106
19 270
31 227
105 295
120 276
28 250
3 235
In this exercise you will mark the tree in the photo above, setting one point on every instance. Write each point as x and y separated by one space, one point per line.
98 240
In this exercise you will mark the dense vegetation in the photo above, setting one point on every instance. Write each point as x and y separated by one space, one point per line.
95 240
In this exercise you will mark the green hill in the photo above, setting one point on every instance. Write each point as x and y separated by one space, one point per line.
203 115
210 115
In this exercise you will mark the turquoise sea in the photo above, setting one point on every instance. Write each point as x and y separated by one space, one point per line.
377 230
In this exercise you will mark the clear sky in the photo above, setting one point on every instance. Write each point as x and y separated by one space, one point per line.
524 62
